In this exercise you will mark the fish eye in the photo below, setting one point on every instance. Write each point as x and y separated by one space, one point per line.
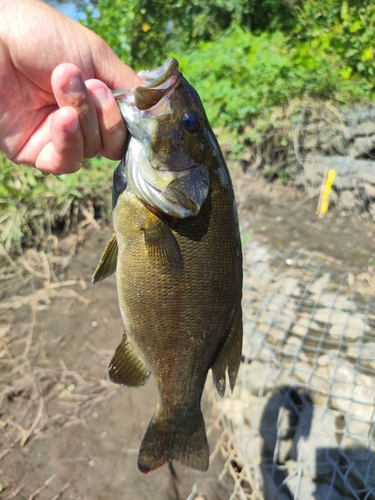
192 121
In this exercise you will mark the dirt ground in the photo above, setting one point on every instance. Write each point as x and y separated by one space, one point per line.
66 431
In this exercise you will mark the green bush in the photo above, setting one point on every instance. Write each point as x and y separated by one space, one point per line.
144 32
342 29
241 75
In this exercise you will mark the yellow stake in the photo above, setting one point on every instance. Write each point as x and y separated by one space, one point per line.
324 195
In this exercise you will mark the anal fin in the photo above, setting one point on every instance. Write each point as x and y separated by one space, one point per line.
229 357
108 262
126 367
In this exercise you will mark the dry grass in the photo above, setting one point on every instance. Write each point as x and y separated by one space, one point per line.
29 387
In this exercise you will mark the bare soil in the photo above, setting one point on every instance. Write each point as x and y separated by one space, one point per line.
87 431
283 215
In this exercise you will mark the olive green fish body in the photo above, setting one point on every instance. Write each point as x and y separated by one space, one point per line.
179 283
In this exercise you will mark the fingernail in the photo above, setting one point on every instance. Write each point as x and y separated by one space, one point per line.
102 95
75 85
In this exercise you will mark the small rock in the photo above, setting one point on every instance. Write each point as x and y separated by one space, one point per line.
342 323
348 199
325 147
337 301
365 128
287 422
292 348
233 409
363 353
261 270
358 428
249 444
289 286
352 331
371 209
362 146
305 326
314 378
313 191
254 342
351 392
340 145
310 143
274 334
369 190
278 304
265 320
260 378
318 286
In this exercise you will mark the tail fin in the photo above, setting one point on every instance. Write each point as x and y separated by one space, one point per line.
183 440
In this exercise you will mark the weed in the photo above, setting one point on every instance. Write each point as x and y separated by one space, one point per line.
33 205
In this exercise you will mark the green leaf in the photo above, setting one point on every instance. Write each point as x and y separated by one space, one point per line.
357 25
367 53
346 72
344 10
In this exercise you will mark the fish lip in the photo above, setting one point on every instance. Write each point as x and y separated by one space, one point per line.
167 78
171 68
164 172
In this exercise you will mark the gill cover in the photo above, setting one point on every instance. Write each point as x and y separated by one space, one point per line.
165 164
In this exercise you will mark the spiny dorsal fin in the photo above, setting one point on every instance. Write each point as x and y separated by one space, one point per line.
108 262
126 367
163 248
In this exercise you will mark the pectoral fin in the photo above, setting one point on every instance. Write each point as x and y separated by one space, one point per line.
162 247
126 367
108 262
229 356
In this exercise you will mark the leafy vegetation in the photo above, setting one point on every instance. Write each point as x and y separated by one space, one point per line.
145 32
344 29
240 75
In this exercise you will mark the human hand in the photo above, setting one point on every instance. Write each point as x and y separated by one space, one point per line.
55 104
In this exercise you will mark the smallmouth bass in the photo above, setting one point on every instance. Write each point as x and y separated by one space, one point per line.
177 253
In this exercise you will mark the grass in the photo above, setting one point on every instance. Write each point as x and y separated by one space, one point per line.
34 206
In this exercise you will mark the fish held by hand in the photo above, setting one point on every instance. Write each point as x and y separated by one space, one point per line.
177 253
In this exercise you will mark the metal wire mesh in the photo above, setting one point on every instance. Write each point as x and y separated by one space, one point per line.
302 414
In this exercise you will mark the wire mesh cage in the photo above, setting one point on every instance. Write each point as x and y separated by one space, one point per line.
302 413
